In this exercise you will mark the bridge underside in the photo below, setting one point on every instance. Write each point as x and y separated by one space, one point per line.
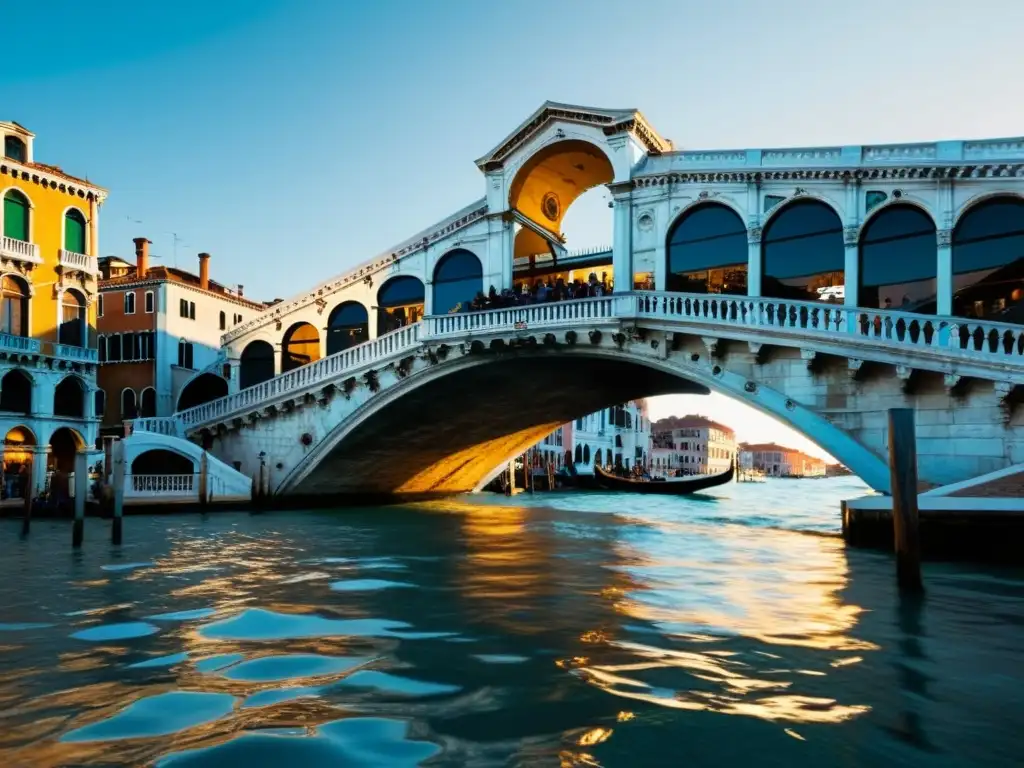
447 435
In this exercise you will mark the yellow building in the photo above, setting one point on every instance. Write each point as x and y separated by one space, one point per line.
48 285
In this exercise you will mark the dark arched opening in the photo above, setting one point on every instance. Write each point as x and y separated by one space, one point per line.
147 406
202 389
129 404
162 462
707 251
72 319
458 278
300 346
16 392
399 303
988 261
14 306
578 456
64 444
586 454
256 364
347 326
803 254
69 398
898 260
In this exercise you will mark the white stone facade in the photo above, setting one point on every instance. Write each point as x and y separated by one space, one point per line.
698 446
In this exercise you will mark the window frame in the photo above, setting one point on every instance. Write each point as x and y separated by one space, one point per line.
131 295
149 302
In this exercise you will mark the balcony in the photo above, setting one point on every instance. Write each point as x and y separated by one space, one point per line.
19 250
19 344
78 261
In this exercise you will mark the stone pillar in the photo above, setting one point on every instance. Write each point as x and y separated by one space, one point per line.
944 273
851 240
754 260
662 223
622 240
40 457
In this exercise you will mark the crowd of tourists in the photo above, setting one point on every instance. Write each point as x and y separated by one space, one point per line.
540 292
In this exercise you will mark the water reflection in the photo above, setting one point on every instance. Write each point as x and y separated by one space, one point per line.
572 630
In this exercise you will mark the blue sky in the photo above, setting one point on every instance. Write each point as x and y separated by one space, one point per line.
293 139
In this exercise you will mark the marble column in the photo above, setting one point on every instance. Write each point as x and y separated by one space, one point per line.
944 273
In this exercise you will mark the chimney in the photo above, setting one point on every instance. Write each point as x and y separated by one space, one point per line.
240 286
204 271
141 256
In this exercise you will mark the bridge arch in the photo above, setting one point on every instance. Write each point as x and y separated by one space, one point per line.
537 392
988 259
347 325
706 250
300 346
399 303
803 233
256 363
898 253
458 278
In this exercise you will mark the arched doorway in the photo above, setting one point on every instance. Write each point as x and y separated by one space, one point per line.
64 444
707 251
16 392
147 405
18 445
458 278
162 462
201 389
72 319
898 260
988 261
129 405
399 303
74 231
347 326
256 364
543 191
803 254
14 297
69 398
300 346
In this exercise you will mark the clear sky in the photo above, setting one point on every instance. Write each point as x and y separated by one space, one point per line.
293 139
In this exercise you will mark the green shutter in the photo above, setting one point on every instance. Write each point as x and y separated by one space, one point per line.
74 232
15 216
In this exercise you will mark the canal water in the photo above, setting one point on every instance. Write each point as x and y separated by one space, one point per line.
559 629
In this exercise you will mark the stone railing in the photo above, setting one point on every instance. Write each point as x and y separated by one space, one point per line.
320 372
70 352
161 485
79 261
12 343
529 317
161 425
20 250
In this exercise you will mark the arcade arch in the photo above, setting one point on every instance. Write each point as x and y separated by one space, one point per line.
198 390
18 444
300 346
159 461
458 278
64 444
707 252
256 364
988 260
399 303
347 325
803 254
898 260
16 392
69 398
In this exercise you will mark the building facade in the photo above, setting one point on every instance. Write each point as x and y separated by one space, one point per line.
618 436
779 461
691 445
159 336
48 269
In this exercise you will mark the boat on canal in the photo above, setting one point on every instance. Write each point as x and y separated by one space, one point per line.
673 486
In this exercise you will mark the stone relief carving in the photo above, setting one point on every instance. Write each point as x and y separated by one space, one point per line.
754 234
945 237
851 234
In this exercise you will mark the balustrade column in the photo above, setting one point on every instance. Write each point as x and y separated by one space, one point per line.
622 244
944 273
754 260
851 241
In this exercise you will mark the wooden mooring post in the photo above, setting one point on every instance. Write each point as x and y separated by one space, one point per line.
117 477
204 480
81 492
903 474
25 483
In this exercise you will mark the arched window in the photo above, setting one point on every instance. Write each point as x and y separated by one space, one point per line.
13 306
399 303
300 346
16 392
586 454
256 364
803 253
74 231
72 319
607 457
898 260
101 402
16 212
347 326
579 454
148 409
15 149
129 409
707 251
988 261
69 398
458 278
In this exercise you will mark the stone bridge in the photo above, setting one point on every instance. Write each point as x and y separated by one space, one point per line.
434 407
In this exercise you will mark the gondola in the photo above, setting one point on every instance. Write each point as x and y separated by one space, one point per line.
674 486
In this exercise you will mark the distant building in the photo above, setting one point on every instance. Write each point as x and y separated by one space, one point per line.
691 445
778 461
618 436
159 332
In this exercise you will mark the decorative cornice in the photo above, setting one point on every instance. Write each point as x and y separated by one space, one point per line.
358 274
67 184
923 172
